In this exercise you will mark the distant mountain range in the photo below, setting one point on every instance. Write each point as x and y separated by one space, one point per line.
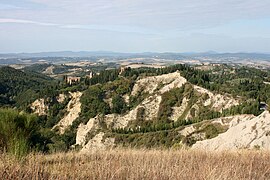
146 57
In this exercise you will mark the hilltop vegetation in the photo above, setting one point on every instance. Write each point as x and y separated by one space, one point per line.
19 88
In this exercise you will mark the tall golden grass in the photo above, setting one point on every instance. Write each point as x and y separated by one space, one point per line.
140 164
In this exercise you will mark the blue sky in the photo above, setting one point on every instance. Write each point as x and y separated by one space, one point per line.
135 25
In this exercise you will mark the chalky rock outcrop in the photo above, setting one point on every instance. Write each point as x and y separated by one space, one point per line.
73 110
39 107
249 134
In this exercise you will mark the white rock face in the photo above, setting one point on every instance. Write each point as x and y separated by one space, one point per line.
178 111
150 84
120 121
150 105
228 122
231 121
218 101
61 98
235 120
83 130
246 134
178 82
73 111
98 143
39 107
187 130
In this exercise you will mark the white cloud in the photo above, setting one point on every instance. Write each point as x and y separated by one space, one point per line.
6 20
155 14
158 14
85 27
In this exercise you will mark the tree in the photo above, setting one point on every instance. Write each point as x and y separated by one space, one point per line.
118 104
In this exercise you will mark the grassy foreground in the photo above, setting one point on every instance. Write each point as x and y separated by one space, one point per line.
140 164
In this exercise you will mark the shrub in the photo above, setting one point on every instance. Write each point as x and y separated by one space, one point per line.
17 130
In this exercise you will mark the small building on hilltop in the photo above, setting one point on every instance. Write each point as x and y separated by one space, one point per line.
70 80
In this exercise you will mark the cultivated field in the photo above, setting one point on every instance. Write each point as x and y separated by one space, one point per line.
140 164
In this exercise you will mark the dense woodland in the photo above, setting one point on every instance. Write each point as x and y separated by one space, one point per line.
18 88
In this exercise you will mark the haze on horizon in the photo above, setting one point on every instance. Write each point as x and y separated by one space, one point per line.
135 25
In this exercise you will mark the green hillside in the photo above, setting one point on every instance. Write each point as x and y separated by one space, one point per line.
18 88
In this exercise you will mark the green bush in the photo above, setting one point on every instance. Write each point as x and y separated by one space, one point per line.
17 130
119 105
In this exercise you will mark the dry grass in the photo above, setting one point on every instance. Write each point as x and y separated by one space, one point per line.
140 164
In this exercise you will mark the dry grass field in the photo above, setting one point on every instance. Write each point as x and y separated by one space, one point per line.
140 164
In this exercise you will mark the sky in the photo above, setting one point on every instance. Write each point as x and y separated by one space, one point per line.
135 25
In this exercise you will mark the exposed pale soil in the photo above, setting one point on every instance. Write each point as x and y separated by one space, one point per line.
248 134
39 107
98 143
150 84
218 101
73 110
